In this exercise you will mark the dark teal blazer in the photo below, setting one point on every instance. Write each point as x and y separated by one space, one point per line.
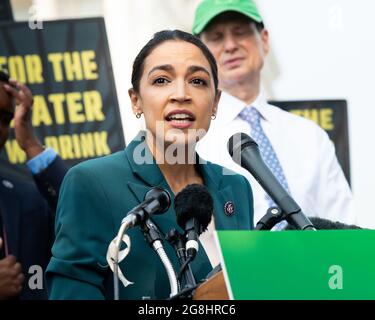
95 197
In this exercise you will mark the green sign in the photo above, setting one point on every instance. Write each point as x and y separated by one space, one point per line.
298 265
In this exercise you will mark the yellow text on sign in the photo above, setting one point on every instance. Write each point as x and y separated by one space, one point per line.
73 66
26 69
75 146
323 117
72 107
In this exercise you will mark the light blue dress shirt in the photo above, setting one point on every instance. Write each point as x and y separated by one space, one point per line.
41 161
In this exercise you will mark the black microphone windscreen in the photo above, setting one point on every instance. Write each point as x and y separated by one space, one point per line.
194 201
238 142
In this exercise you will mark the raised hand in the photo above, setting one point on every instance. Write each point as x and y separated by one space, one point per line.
22 119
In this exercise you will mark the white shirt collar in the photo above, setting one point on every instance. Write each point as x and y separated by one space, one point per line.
262 105
230 107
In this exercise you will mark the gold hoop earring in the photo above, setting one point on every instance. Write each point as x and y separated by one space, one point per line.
213 116
138 115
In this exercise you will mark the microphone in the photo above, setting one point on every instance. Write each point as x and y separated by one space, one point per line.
245 152
156 201
194 209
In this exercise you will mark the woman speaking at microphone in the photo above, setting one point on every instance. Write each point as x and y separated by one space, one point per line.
175 89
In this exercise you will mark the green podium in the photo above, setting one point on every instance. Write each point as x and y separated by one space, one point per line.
302 265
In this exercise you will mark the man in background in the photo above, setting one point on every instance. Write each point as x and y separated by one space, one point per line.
26 217
297 151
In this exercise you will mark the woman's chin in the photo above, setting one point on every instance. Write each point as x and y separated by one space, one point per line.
179 140
183 137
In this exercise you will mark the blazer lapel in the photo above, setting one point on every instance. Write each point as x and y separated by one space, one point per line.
142 161
145 168
222 195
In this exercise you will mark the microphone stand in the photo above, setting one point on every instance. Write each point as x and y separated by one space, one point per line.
153 237
178 242
275 215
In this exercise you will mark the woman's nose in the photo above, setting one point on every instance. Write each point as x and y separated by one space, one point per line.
180 93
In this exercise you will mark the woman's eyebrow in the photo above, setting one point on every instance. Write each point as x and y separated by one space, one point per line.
169 68
193 69
164 67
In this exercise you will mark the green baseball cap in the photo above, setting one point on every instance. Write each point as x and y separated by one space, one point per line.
209 9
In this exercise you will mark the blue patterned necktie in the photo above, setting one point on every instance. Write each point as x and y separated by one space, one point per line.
252 116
